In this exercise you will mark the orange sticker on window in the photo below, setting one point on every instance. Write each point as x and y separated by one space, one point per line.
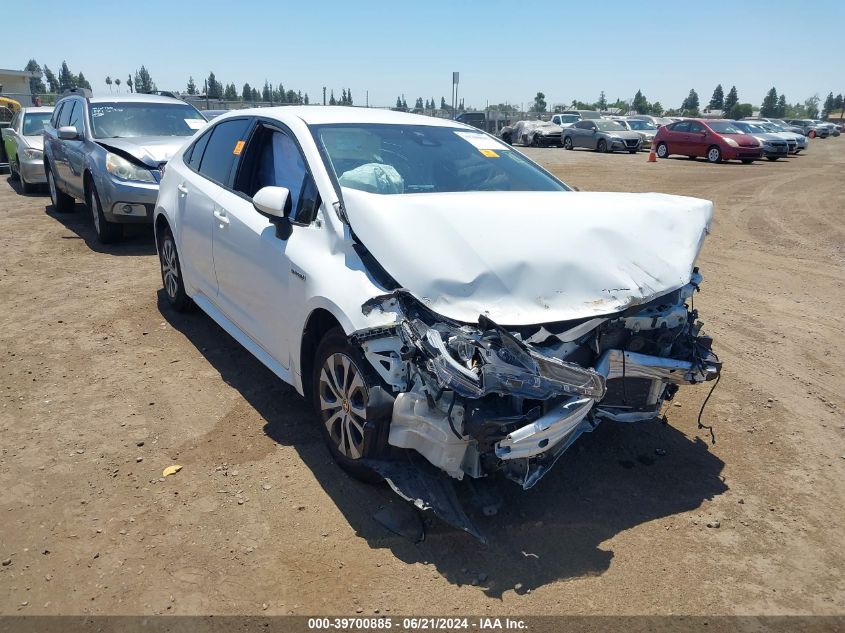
489 153
239 147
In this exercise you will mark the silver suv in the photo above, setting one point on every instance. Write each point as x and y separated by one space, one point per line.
110 151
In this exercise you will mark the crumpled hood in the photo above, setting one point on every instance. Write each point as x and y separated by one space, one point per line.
523 258
35 142
150 150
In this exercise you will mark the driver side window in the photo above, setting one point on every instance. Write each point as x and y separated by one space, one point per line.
273 159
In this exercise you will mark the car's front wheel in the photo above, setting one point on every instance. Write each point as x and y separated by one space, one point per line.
342 381
107 232
567 142
714 155
62 202
171 272
772 158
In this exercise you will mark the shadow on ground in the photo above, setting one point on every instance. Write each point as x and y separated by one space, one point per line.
137 238
610 481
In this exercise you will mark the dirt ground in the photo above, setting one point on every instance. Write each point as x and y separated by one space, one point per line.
103 387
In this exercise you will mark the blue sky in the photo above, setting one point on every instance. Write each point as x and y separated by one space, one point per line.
503 52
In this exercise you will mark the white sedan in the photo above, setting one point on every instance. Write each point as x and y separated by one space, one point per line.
434 293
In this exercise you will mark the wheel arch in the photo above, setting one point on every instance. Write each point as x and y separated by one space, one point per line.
319 322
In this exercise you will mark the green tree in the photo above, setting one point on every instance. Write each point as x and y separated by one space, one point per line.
691 103
36 85
349 96
829 104
305 99
601 104
117 84
282 94
265 92
781 109
246 92
52 81
109 82
343 100
419 104
717 101
769 107
812 106
290 96
129 84
213 89
539 104
255 95
332 100
640 103
443 105
66 78
192 87
730 101
741 110
231 93
144 84
82 82
656 108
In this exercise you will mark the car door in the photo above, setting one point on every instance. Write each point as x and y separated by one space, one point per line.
677 138
698 139
11 138
589 135
250 257
577 133
204 178
59 155
75 150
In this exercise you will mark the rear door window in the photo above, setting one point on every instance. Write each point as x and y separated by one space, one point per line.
193 157
224 149
683 126
695 128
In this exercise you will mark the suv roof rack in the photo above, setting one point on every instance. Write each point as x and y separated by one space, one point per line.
78 91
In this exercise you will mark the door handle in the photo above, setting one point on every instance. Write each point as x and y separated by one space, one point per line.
182 189
221 216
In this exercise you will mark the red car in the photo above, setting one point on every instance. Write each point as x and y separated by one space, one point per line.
716 140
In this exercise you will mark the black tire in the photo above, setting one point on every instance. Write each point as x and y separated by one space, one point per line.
601 146
632 151
507 139
714 154
171 272
662 150
747 161
772 158
14 174
536 141
62 202
567 143
107 232
352 397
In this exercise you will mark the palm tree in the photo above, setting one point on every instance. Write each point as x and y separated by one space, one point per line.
117 83
109 83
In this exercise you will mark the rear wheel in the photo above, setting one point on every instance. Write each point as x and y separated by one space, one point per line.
601 146
772 158
62 202
341 385
107 232
812 134
714 154
662 150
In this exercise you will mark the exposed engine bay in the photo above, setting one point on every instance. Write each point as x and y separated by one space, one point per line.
479 399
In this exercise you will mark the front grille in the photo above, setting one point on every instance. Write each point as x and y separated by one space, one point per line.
631 142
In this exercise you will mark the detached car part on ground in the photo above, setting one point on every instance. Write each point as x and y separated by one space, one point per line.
453 311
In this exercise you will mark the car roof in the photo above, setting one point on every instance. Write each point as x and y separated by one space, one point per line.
134 97
325 115
27 110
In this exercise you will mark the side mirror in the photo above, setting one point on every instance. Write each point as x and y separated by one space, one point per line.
68 133
272 201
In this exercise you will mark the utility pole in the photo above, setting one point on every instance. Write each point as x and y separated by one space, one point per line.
368 98
206 94
324 95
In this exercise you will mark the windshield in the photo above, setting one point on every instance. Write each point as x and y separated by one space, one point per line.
637 124
395 159
609 126
122 120
749 128
724 127
569 118
33 124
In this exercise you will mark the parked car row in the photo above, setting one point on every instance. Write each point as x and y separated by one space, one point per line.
426 360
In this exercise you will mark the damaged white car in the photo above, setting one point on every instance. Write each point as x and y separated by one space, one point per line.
452 309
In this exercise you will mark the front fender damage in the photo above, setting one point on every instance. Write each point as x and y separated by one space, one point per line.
481 399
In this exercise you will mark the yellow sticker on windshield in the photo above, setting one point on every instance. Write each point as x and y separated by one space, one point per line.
489 153
239 147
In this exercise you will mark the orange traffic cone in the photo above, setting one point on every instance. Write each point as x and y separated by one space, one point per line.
652 156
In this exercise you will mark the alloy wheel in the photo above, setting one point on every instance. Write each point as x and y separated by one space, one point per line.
713 155
343 396
662 151
169 268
